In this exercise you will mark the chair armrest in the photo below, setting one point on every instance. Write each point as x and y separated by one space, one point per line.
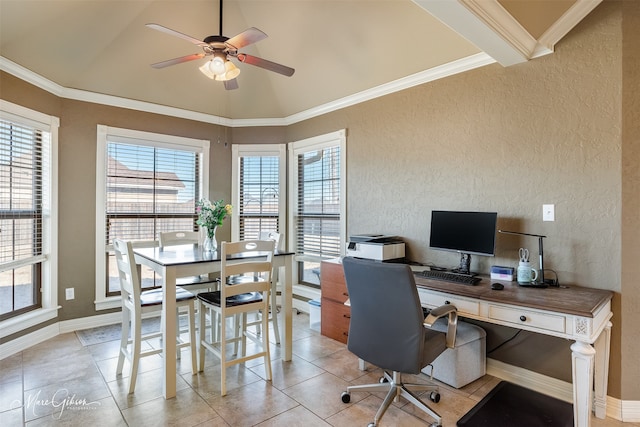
452 324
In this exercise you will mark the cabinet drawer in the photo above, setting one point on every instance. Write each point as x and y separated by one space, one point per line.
518 317
332 282
436 300
335 320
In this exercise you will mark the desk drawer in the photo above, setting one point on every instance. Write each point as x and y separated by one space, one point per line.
433 300
335 320
519 317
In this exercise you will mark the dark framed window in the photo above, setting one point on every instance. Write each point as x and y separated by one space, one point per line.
22 185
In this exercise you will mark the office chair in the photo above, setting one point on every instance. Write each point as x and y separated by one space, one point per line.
388 330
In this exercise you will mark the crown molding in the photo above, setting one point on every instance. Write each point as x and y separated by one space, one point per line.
569 20
435 73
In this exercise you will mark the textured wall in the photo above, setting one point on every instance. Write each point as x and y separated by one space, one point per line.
631 198
506 140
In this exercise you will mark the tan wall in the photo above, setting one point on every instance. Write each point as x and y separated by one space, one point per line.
630 230
554 130
509 140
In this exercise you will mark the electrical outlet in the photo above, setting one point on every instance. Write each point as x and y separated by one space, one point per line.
69 293
548 213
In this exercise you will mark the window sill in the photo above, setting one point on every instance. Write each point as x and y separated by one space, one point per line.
27 320
109 303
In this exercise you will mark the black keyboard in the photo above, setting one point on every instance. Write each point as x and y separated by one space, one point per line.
447 276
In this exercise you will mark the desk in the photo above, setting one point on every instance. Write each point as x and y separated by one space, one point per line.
576 313
181 261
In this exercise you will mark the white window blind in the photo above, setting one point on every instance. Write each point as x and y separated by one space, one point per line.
258 209
318 219
318 205
149 190
22 151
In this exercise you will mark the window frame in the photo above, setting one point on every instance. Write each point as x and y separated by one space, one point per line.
320 142
258 150
106 134
49 271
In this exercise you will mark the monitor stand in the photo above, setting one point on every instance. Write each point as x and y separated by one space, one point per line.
465 264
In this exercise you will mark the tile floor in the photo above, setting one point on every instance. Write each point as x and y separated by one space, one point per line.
63 382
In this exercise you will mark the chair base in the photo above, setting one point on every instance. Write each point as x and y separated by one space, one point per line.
395 388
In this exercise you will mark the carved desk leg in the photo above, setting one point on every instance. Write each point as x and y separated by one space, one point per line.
602 346
582 361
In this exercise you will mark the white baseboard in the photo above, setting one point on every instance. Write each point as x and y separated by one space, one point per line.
24 342
541 383
90 322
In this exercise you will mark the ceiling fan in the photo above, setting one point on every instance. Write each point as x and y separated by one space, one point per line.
223 48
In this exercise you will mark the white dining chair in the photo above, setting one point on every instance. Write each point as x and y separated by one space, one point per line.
194 284
134 300
235 301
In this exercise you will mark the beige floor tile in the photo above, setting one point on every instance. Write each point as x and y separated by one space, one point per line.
251 404
296 417
10 395
186 409
59 398
11 369
103 413
148 387
303 392
320 394
287 374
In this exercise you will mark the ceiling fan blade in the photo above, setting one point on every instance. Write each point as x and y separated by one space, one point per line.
175 33
245 38
178 60
267 65
231 84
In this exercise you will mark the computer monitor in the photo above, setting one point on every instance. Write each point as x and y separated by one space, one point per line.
464 232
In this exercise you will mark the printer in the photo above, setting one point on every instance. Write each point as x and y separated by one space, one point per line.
376 247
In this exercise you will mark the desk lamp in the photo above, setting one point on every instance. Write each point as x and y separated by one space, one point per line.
540 251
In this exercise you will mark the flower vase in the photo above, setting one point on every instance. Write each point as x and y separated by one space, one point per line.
210 243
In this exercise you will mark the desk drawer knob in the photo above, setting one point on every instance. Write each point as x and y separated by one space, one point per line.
523 318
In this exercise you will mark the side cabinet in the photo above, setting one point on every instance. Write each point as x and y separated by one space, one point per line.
335 315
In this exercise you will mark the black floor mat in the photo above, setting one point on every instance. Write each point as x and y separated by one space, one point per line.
509 405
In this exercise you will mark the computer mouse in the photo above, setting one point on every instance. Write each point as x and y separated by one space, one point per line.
497 286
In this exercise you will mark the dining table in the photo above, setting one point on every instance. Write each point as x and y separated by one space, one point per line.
173 262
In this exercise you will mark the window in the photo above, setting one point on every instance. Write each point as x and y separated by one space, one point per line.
28 217
149 183
258 182
317 190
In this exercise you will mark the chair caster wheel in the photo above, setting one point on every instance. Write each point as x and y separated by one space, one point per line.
435 425
383 380
346 397
434 396
371 425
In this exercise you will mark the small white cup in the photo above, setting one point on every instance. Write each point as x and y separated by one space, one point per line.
526 273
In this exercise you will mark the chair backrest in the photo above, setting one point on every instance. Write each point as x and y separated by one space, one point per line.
386 327
172 238
251 258
272 235
127 270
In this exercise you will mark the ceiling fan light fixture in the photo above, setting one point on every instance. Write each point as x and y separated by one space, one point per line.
231 71
206 70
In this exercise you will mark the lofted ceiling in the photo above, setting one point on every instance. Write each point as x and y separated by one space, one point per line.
343 51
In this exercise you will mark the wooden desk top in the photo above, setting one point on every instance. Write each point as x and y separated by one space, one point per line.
575 300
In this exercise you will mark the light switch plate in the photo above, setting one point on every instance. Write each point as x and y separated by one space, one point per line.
548 213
